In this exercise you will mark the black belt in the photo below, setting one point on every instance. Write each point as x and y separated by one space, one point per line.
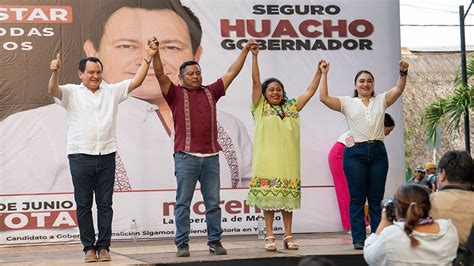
370 142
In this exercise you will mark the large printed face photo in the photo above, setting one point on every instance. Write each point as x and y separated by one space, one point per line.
121 46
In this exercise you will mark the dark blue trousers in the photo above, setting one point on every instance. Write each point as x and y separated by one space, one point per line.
365 167
93 174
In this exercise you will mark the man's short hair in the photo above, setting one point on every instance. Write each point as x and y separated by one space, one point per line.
83 62
458 167
185 64
96 24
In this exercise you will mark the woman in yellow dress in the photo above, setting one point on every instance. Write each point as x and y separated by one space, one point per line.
276 184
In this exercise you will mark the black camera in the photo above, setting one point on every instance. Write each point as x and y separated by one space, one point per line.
389 206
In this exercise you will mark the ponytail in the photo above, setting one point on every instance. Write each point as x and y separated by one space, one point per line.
412 204
413 215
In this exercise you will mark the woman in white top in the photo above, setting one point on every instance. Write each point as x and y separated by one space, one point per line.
415 238
337 171
365 158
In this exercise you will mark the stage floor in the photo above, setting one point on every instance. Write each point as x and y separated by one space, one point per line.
163 251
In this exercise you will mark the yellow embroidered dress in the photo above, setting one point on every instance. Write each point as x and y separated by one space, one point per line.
276 180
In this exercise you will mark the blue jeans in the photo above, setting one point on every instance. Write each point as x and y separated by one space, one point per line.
366 167
188 170
93 174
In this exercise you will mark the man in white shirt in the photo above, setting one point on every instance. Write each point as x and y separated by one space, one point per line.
91 144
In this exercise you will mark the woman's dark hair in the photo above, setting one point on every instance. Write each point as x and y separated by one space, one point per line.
412 202
388 121
267 82
316 261
357 76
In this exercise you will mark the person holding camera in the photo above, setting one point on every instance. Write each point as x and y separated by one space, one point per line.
407 235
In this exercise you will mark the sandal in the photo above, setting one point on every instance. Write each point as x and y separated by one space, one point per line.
290 244
270 246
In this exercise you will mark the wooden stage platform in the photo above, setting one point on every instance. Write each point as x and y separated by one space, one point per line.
242 250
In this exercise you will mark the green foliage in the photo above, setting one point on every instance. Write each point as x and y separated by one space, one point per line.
469 71
452 108
408 135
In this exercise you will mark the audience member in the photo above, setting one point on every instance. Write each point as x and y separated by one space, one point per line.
420 177
414 238
455 198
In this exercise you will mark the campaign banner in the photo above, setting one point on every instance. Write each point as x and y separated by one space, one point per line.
36 193
52 218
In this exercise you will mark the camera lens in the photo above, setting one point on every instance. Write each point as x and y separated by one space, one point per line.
389 209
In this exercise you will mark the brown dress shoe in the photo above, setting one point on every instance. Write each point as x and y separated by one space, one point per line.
104 255
91 256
